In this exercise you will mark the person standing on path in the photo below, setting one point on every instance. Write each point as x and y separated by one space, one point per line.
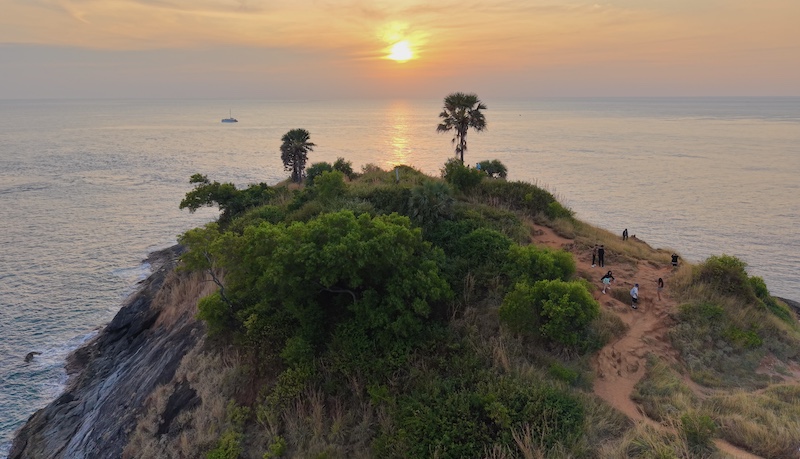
594 256
635 296
601 256
625 234
660 287
606 280
675 260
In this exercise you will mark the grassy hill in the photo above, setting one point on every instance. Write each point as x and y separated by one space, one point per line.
396 315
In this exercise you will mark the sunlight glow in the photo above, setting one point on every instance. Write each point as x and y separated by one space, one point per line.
401 52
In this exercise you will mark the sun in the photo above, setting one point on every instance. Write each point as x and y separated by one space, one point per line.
401 52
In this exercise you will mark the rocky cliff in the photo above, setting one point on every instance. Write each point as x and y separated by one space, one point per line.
112 376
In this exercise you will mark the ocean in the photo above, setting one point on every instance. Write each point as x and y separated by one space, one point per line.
89 188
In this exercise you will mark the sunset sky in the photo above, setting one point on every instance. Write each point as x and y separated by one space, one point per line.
338 48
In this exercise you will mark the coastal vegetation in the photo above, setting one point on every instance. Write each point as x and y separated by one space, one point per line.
395 314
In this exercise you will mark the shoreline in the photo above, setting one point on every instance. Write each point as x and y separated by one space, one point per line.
110 376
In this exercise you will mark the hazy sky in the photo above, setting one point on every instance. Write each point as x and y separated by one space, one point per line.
339 48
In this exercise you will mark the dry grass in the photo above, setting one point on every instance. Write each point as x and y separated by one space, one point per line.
646 441
661 392
179 295
209 374
766 423
617 250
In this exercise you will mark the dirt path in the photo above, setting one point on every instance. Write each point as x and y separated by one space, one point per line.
620 365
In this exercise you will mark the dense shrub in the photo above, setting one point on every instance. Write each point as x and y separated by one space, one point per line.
430 202
493 168
463 178
727 275
315 170
345 167
483 250
531 263
522 197
387 198
554 310
302 279
330 185
449 419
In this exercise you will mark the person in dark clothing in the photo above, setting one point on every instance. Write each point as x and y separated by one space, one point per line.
606 280
625 234
674 260
660 287
601 256
594 256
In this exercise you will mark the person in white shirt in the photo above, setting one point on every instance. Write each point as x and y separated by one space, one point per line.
635 296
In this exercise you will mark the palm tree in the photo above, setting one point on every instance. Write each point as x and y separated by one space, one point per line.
461 112
294 152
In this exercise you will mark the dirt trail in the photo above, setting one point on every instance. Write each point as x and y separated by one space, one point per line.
620 365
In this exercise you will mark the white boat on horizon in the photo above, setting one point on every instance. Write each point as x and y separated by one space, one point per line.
230 118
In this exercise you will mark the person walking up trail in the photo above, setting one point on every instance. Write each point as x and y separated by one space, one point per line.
601 256
606 280
635 296
594 256
660 287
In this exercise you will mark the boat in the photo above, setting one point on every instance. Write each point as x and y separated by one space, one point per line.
230 118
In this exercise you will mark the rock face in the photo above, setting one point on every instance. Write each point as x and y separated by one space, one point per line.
111 377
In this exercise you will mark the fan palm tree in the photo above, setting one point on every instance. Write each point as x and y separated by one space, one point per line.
461 112
294 152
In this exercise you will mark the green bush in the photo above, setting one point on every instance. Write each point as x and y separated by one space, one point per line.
741 338
276 449
430 202
315 170
462 178
727 275
568 375
762 293
330 185
345 167
304 278
522 197
557 311
387 198
530 263
229 446
493 168
451 418
699 430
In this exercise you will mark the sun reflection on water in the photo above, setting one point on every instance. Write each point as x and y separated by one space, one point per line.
398 119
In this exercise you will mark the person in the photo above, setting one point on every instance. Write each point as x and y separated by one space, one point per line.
606 280
601 256
635 296
625 234
594 256
660 287
675 260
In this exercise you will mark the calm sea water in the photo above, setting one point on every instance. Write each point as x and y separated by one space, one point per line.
88 188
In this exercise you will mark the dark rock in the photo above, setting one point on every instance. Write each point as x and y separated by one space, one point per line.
111 377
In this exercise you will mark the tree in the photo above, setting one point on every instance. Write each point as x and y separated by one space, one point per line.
294 152
461 112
